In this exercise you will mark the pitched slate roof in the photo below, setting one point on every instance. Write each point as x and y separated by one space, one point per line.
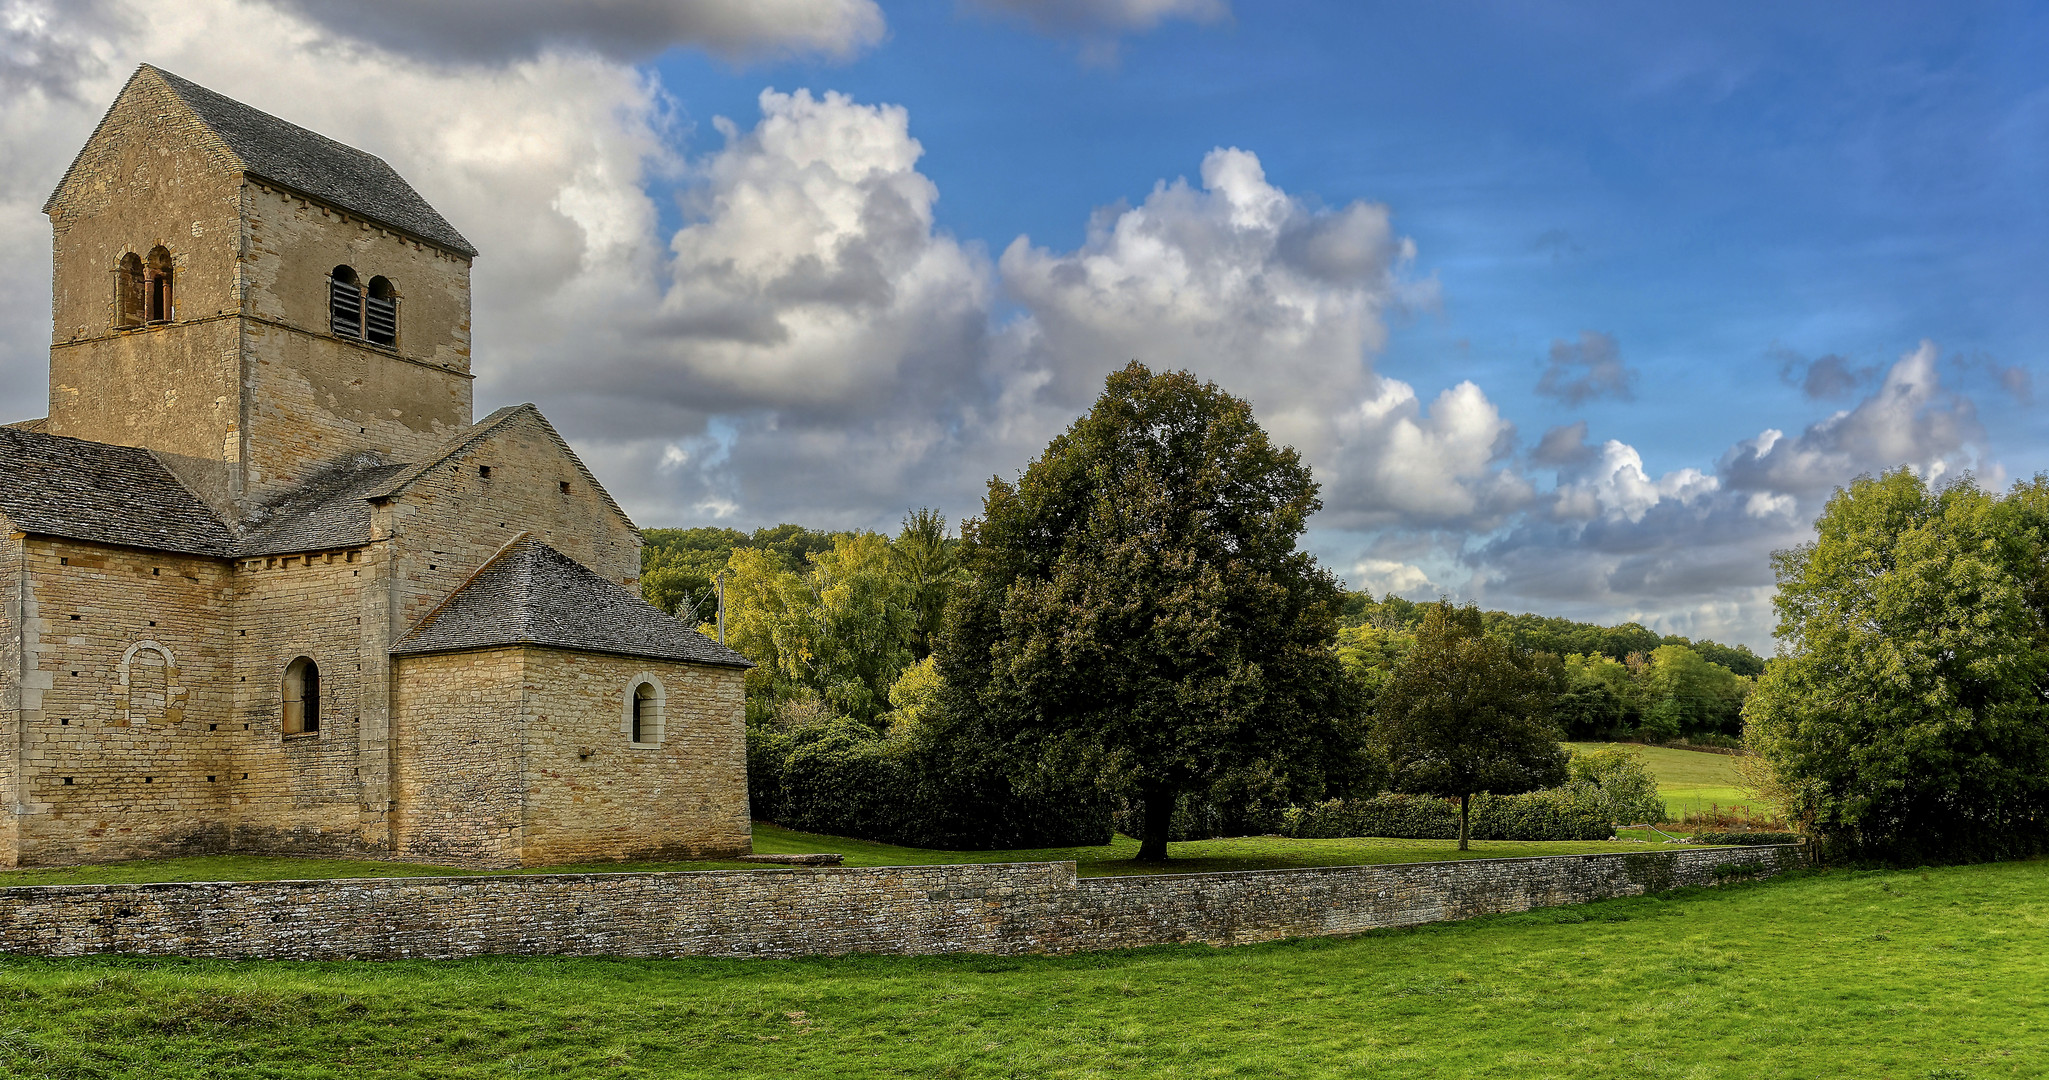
329 511
313 164
60 486
531 594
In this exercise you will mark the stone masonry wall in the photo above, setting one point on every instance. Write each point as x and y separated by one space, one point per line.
313 397
456 776
304 793
1013 908
123 745
152 175
11 555
594 795
454 518
294 243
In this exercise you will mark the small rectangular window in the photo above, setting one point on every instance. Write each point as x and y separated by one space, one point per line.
484 471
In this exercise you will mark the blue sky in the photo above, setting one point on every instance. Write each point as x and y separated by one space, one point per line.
1574 308
1710 186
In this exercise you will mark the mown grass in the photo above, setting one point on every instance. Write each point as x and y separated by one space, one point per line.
1194 856
1250 853
1932 975
1689 780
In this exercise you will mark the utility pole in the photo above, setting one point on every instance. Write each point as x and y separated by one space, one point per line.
719 582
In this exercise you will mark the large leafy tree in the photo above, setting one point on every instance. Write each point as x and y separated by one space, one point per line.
1138 612
1907 714
1466 712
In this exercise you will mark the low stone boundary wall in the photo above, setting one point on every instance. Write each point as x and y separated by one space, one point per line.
1004 908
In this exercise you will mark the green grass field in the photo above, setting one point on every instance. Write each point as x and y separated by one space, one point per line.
1250 853
1931 975
1688 779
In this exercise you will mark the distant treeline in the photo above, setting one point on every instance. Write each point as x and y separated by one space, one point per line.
677 567
1548 634
1621 681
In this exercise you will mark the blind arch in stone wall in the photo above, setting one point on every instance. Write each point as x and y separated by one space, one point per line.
148 685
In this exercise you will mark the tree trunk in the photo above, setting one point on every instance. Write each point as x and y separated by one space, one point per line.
1159 817
1465 806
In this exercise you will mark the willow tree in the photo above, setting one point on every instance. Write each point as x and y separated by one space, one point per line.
1138 612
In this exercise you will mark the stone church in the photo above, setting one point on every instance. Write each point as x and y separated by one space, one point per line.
267 586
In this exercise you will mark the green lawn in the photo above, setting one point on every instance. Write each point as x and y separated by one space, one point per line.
1246 853
1928 975
1252 853
1688 779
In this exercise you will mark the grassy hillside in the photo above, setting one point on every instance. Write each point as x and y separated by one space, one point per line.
1688 779
1935 974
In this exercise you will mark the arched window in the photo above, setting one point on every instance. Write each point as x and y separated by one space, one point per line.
128 291
644 708
157 302
302 696
344 303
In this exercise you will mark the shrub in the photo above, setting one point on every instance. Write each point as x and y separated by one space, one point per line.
1745 838
1732 819
1551 814
843 777
1614 783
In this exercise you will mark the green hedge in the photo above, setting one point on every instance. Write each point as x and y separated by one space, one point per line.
846 779
1540 815
1745 838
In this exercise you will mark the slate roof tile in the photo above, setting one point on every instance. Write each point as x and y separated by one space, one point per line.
59 486
531 594
330 511
311 163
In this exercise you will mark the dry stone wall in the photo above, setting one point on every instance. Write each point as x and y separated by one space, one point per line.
1007 908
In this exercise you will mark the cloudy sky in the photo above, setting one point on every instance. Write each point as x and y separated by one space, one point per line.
1575 308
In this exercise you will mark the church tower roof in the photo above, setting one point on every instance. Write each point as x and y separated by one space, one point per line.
290 156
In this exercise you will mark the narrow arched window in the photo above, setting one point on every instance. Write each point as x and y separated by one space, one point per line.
345 303
128 291
302 696
157 301
380 312
644 713
643 720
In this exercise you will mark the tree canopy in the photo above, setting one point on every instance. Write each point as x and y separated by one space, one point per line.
1137 609
1465 712
1907 716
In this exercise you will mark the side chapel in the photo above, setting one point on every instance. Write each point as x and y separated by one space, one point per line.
266 585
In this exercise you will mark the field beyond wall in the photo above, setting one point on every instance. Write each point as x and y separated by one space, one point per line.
1923 974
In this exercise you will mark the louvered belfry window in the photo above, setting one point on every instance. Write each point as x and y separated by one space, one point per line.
344 303
380 312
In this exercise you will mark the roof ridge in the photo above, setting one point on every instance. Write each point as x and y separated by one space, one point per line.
269 149
234 159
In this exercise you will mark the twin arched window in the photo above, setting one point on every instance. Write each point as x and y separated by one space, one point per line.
142 289
302 697
366 312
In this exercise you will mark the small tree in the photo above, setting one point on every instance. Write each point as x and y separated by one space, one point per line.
1465 713
1137 611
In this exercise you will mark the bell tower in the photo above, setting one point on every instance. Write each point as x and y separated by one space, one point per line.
252 302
